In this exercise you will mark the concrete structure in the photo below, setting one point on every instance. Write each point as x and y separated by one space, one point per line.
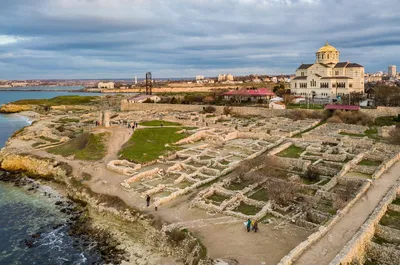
327 77
105 85
143 98
225 77
392 70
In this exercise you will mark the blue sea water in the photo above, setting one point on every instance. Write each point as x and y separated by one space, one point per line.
23 213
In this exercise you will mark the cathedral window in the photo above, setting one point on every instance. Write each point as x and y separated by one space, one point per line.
336 72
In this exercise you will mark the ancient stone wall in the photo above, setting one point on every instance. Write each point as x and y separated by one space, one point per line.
250 111
355 249
382 111
299 249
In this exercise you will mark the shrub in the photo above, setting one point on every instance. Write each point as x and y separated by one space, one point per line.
334 119
227 110
173 100
176 235
311 174
209 109
208 99
351 117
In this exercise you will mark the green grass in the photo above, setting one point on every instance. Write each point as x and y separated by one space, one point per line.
85 147
247 209
234 185
158 123
47 139
260 195
386 121
217 198
397 201
61 100
149 143
304 106
371 163
292 152
391 219
352 134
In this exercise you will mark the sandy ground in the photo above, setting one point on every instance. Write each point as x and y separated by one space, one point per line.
333 242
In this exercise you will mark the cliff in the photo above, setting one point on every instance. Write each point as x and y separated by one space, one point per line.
13 108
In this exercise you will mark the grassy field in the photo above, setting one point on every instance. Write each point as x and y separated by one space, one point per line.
149 143
61 100
386 121
391 219
85 147
370 163
158 123
292 152
304 106
247 209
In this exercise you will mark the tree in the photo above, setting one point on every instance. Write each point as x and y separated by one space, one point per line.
287 99
353 98
387 96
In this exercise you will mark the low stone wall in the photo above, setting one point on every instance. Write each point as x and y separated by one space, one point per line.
355 249
297 251
250 111
385 166
382 111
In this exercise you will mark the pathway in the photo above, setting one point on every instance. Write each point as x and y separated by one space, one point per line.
324 250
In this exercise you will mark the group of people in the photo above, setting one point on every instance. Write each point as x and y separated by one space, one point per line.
132 125
251 225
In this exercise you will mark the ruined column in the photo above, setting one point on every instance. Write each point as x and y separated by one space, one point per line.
106 118
100 119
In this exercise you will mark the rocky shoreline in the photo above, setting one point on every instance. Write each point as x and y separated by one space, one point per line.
122 234
79 225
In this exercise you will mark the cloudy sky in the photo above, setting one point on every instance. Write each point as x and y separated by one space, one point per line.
175 38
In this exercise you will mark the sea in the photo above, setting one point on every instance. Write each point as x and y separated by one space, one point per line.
24 213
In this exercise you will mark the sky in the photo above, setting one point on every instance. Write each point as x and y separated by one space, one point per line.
71 39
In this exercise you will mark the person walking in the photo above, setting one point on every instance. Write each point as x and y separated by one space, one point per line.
248 225
255 226
148 200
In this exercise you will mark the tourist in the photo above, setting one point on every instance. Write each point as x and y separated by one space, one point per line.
148 200
129 125
255 226
248 225
161 124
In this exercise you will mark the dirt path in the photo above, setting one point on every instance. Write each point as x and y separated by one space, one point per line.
332 243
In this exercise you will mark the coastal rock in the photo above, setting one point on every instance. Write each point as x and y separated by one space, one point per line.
13 108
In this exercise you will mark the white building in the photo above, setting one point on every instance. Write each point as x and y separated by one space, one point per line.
225 77
105 85
392 70
327 77
199 77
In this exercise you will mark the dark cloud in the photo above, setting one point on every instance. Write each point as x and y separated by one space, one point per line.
122 38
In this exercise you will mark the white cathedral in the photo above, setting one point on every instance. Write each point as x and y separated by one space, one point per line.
327 77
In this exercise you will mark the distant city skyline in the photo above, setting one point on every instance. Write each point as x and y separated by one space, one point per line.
99 39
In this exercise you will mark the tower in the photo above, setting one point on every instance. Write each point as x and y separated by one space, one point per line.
135 80
149 83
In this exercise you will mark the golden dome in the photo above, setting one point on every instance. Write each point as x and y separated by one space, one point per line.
327 48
